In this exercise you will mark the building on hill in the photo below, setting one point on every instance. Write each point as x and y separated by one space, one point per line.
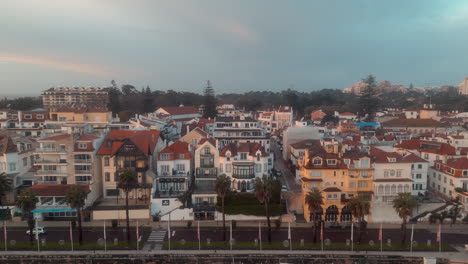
415 126
463 87
243 162
428 150
450 179
55 96
23 123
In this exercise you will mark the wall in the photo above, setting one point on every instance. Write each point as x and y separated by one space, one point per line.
120 214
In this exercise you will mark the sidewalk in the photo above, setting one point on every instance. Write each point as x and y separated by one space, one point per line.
446 228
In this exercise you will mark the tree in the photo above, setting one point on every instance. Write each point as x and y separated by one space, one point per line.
411 86
314 201
27 201
76 197
128 89
184 199
264 192
223 186
360 207
368 101
209 101
404 204
6 184
127 182
455 211
114 98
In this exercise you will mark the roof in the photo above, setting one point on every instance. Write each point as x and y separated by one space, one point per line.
234 119
179 147
56 138
305 144
180 110
251 148
331 189
54 189
347 114
458 163
398 122
145 140
413 158
284 109
211 140
87 137
7 145
380 156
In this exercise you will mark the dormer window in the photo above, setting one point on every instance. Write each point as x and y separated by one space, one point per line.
164 156
228 156
331 161
82 146
243 156
438 166
258 156
451 171
346 161
465 173
207 150
392 159
317 161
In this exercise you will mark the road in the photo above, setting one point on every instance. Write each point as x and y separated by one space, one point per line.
287 177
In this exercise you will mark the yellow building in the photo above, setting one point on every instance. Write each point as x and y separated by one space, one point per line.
339 176
95 116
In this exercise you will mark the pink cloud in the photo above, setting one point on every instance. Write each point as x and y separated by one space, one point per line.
239 31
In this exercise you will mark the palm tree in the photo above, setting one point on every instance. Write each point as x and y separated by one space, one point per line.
314 200
76 197
27 201
5 185
223 186
264 192
127 182
404 205
360 207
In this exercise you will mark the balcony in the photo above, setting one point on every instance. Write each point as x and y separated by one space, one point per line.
55 162
51 172
85 161
83 171
244 176
47 182
206 172
50 150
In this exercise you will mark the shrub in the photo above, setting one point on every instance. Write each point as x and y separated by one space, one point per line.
433 218
189 224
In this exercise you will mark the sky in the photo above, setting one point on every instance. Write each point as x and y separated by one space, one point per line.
240 45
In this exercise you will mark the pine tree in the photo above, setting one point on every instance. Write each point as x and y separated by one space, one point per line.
368 100
209 101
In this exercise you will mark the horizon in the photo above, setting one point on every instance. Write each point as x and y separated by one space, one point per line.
240 45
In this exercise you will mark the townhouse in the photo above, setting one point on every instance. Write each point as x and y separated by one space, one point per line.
243 162
240 129
23 123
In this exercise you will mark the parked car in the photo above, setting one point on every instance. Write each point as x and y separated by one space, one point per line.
284 188
278 173
40 230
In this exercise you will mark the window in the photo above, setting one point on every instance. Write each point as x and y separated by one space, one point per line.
465 173
364 163
206 150
180 167
25 162
181 156
228 167
39 116
352 185
164 168
315 173
106 161
317 161
362 184
392 159
194 142
112 192
243 156
27 116
426 155
107 176
445 179
331 162
398 174
419 166
12 166
418 176
82 146
412 166
386 173
364 174
258 167
165 156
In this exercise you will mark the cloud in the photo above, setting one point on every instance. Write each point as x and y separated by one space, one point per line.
90 69
239 31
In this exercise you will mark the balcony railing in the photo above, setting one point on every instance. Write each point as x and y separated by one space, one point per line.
51 172
83 182
47 182
43 161
51 150
82 171
83 161
206 172
238 176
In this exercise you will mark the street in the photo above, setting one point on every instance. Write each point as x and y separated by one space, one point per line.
287 178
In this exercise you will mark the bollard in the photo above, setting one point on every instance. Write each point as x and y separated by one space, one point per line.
302 242
389 242
116 241
256 242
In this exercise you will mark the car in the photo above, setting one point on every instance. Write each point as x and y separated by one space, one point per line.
278 173
40 230
281 148
284 188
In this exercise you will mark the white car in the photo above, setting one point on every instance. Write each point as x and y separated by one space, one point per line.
40 230
284 188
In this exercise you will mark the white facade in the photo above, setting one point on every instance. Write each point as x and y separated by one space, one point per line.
390 179
419 174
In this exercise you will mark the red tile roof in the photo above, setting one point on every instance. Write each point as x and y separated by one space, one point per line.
145 140
331 189
284 109
176 148
305 144
7 145
347 114
87 137
56 138
251 148
399 122
413 158
380 156
427 146
458 163
211 140
54 189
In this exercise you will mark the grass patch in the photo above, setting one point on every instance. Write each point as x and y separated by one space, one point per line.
247 204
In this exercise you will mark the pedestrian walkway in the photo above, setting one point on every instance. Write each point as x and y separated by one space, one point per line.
155 240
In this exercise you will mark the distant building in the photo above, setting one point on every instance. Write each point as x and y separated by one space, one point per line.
463 87
71 95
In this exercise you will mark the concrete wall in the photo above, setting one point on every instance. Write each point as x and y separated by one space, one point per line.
120 214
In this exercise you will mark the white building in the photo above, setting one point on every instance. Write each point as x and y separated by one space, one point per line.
240 129
445 177
419 173
243 162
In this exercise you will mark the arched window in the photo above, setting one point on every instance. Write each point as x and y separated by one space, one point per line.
407 188
248 185
400 188
393 188
239 185
387 189
381 188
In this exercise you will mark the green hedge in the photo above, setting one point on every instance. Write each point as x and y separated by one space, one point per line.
247 204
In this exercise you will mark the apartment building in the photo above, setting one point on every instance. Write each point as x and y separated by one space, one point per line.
428 150
419 173
55 96
62 161
23 123
204 195
447 176
240 129
243 162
